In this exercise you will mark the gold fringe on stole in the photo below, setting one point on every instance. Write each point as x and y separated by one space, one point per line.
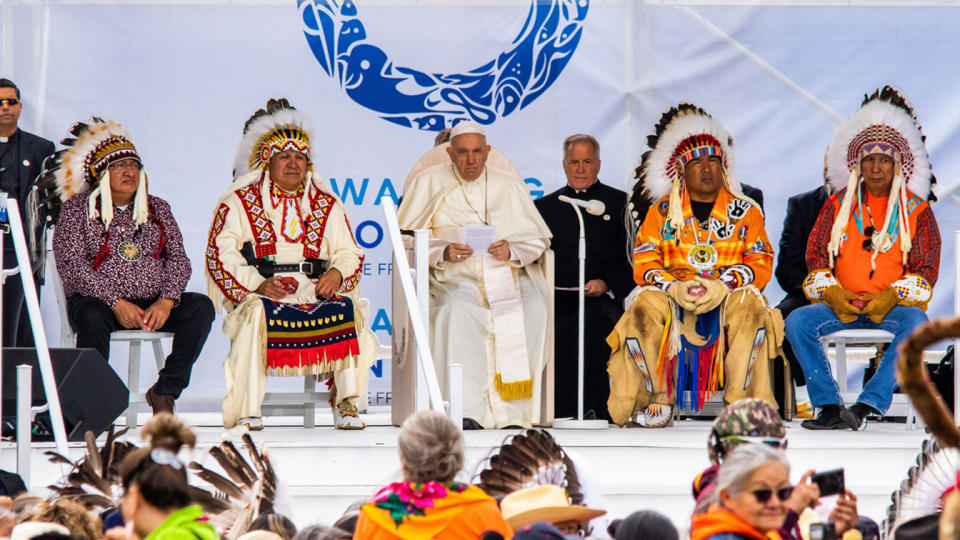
513 390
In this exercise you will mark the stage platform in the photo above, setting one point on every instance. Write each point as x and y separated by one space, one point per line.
324 469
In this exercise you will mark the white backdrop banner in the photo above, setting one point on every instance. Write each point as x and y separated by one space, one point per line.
379 77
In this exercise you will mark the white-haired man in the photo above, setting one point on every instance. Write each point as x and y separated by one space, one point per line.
488 308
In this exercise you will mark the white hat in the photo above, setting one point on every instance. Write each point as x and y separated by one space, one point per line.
467 126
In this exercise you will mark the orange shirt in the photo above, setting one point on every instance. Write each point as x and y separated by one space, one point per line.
462 515
852 265
735 230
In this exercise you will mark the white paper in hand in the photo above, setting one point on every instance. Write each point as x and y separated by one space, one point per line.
479 238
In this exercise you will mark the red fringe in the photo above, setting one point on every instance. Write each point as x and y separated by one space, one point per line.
284 358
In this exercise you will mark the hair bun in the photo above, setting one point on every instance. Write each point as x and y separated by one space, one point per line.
168 432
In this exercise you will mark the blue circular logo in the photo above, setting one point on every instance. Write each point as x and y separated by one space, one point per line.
433 101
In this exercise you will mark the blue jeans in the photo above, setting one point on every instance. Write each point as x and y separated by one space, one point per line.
806 325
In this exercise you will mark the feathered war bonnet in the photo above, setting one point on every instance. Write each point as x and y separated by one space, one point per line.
277 128
885 124
85 162
684 133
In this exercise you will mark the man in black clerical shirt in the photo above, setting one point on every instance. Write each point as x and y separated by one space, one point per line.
21 156
609 277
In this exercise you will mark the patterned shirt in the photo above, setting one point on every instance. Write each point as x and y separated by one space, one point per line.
734 230
852 269
90 262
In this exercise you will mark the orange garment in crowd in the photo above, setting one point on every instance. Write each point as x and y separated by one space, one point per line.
434 510
738 235
719 520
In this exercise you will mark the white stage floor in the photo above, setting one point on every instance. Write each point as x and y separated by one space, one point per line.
324 469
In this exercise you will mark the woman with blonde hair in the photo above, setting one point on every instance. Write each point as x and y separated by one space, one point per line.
429 504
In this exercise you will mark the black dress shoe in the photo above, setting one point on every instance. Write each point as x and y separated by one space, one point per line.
471 424
829 418
858 415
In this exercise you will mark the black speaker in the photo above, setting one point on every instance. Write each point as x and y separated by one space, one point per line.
92 396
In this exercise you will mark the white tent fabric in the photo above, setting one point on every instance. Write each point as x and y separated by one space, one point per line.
184 76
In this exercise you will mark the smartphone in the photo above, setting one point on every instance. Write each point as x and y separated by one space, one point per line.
830 482
823 531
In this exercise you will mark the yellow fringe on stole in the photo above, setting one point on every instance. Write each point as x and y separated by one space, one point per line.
513 390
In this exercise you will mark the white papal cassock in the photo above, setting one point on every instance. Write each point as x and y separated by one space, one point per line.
489 315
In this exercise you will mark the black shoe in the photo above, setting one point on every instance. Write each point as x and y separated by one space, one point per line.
858 415
471 424
512 426
829 418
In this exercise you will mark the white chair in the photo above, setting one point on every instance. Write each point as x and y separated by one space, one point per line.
68 338
860 337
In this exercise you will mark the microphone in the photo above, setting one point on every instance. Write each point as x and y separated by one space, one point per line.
592 206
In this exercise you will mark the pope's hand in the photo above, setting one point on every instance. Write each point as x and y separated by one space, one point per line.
457 252
500 250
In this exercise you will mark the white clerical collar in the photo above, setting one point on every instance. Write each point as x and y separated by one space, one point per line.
4 139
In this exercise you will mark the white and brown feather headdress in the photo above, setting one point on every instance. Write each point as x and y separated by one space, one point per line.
269 131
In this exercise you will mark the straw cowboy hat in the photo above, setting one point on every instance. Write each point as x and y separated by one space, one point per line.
543 503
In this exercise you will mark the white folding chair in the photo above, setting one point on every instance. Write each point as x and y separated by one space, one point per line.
860 337
135 338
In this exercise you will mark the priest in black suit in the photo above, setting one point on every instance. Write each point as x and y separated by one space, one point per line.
21 157
609 277
802 211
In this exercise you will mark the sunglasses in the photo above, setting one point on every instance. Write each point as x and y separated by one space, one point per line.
763 495
11 102
769 441
868 241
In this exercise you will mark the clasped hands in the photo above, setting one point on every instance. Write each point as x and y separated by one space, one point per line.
277 287
131 316
847 305
698 295
454 252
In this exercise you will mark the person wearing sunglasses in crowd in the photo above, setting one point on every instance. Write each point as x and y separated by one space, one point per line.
754 421
873 256
753 487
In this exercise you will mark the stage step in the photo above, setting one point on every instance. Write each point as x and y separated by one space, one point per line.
623 470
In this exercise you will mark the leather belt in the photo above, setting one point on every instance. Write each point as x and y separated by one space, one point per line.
313 268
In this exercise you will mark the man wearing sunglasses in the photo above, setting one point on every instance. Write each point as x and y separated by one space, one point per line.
873 255
21 155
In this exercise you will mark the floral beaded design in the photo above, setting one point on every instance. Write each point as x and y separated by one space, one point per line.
405 499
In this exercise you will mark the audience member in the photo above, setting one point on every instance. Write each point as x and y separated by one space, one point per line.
538 531
646 525
72 515
429 503
156 500
488 310
548 503
608 278
280 241
702 256
274 522
319 532
753 487
120 255
873 256
21 159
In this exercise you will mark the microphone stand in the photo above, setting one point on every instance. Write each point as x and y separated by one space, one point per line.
579 422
